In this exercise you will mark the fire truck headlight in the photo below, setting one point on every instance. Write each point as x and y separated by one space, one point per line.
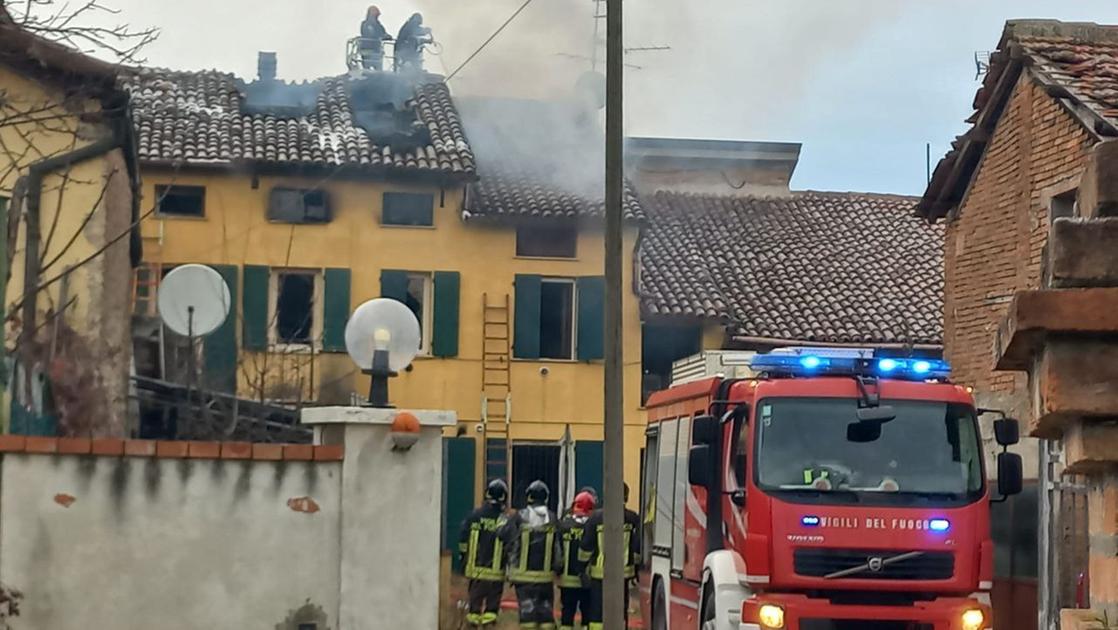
972 619
771 616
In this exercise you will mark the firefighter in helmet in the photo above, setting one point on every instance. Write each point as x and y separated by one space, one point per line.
573 594
591 553
371 43
483 556
530 536
410 40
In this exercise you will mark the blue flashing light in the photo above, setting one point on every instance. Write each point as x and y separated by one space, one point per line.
827 361
939 524
811 362
810 521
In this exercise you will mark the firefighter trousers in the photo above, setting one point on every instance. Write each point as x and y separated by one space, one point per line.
594 619
534 600
485 602
573 600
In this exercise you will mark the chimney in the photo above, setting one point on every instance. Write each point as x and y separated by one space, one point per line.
266 66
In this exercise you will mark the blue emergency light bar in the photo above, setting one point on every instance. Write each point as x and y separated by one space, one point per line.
844 362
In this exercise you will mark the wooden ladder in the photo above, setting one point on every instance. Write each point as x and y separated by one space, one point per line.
496 384
145 285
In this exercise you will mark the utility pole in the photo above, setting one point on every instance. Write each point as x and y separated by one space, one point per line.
613 587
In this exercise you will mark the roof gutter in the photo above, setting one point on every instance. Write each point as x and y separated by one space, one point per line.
817 344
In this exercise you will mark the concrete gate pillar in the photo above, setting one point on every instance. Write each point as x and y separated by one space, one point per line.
391 503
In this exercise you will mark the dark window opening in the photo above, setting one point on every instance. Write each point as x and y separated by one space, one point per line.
181 201
532 462
294 307
557 319
547 242
288 205
408 209
1062 205
660 347
416 300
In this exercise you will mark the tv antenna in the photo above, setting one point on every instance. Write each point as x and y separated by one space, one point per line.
599 15
193 302
981 64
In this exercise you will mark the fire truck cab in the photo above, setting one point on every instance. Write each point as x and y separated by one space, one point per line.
834 490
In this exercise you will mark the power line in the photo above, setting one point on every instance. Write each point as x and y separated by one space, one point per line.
491 38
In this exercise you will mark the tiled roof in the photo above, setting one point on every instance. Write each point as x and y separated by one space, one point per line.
1076 63
816 267
196 117
537 159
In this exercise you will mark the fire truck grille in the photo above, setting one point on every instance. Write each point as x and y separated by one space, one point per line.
874 564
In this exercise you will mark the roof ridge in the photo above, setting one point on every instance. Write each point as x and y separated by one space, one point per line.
792 194
1056 29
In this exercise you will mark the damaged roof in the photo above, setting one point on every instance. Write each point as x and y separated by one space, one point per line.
1075 63
814 267
537 160
197 118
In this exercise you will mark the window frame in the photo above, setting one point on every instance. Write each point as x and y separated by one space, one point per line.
304 193
573 284
161 192
317 310
427 315
395 193
551 229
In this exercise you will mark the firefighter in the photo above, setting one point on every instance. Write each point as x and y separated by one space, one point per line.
371 43
409 43
530 537
483 557
573 594
591 553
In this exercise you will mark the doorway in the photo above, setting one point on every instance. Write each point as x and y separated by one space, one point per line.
531 462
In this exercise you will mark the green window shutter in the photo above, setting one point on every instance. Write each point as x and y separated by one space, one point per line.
219 349
458 486
394 284
254 316
588 465
526 325
335 310
444 340
591 318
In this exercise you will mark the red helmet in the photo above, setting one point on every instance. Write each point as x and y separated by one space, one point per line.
584 504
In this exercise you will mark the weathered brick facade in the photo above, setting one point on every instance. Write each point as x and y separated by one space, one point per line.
996 238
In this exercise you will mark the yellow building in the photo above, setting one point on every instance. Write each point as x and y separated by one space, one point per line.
67 176
312 199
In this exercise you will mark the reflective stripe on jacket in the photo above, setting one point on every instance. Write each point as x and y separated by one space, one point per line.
481 546
531 548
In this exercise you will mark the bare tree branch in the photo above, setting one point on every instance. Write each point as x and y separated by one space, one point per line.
84 27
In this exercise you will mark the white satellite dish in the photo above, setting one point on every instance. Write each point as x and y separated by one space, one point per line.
193 300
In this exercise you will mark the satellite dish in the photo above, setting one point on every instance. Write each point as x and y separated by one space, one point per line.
193 300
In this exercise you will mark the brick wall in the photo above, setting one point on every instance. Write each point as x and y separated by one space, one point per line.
995 241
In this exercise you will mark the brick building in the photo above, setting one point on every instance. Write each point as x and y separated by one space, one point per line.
1045 101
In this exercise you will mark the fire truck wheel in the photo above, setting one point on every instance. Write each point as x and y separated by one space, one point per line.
659 610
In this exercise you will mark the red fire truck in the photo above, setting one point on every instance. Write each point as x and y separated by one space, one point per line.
835 490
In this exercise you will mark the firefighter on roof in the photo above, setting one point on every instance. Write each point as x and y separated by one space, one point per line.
574 595
409 43
591 553
371 43
530 536
483 556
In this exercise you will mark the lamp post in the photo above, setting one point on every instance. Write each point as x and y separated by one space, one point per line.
382 337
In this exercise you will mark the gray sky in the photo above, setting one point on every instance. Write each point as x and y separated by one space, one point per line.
863 84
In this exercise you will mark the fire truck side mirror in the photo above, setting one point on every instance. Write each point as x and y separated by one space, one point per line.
704 430
698 466
1007 431
1010 474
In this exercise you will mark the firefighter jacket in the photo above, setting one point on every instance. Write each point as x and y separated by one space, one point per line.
530 540
481 546
569 540
592 543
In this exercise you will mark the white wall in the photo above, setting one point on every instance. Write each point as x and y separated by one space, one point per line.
167 543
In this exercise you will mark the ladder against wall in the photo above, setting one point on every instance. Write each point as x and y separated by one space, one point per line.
496 395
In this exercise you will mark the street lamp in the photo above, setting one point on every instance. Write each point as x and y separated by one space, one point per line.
382 337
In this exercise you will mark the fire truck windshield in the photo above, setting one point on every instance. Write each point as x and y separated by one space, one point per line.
929 453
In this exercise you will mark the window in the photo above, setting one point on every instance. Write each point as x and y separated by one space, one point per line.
665 483
682 487
296 308
649 478
557 322
181 201
289 205
418 299
408 209
557 241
